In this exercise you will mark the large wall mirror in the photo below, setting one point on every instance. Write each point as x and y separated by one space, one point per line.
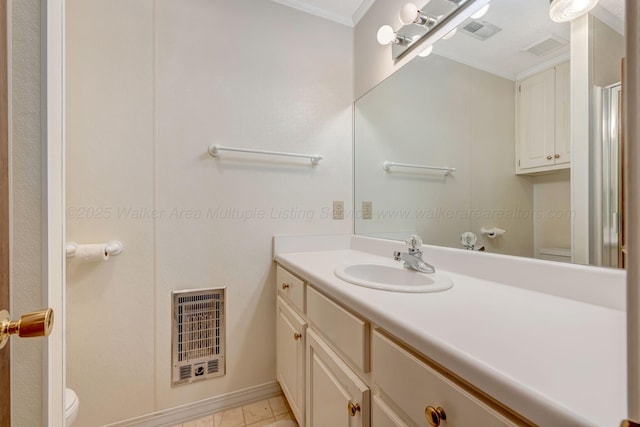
476 138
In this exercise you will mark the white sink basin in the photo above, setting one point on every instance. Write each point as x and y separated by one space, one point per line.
397 279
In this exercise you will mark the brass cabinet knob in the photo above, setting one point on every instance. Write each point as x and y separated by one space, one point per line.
36 324
297 336
434 415
549 157
285 286
354 408
557 156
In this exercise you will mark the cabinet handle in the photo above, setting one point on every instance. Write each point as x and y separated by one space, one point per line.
297 336
435 415
354 408
285 286
549 157
557 156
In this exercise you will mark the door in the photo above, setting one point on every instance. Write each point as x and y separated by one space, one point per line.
536 120
44 55
290 331
336 397
5 384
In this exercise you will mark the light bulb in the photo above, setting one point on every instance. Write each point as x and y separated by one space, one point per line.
479 14
426 52
408 13
450 34
568 10
386 35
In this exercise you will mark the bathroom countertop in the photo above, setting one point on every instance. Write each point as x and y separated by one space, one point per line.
556 361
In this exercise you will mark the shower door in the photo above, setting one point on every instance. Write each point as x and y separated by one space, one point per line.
612 224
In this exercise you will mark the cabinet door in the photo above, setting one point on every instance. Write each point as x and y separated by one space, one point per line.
536 120
562 154
336 397
290 348
383 416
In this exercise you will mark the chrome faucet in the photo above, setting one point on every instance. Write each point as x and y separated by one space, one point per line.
413 258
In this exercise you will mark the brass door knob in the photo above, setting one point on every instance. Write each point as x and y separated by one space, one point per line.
557 156
297 336
434 415
285 286
354 408
36 324
549 157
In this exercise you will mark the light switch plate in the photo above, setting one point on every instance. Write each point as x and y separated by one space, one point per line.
367 210
338 209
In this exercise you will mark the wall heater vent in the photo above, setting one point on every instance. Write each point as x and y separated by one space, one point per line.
198 335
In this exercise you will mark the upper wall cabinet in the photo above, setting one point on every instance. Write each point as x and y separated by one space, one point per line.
543 142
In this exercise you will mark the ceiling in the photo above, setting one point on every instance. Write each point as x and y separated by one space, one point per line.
349 12
346 12
522 22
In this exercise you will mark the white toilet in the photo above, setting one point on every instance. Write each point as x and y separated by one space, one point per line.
71 403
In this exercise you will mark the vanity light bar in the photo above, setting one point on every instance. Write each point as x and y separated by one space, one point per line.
388 165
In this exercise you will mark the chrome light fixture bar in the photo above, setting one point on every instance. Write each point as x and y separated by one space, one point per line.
422 29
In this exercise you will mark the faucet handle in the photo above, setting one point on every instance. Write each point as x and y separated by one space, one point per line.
397 256
414 242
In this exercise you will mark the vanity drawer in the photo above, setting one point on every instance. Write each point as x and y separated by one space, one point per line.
290 287
348 333
412 386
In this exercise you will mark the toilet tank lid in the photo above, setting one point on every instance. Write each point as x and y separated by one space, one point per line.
556 251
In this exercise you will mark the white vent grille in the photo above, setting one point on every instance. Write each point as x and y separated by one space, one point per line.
545 46
481 30
198 335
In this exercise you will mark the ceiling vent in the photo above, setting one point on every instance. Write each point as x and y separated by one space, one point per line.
546 46
480 30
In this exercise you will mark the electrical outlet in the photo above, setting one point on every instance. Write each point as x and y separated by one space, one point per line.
367 210
338 209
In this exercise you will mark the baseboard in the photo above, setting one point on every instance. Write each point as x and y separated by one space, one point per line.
190 411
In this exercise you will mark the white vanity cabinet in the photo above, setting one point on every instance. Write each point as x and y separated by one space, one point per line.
542 121
290 348
336 396
290 340
352 374
424 395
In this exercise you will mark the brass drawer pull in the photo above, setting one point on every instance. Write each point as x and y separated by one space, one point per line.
549 157
557 156
297 336
285 286
435 415
354 408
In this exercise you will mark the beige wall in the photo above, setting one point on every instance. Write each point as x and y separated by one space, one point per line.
608 51
26 210
150 85
372 62
439 112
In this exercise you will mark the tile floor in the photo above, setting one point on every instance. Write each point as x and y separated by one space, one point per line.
257 414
